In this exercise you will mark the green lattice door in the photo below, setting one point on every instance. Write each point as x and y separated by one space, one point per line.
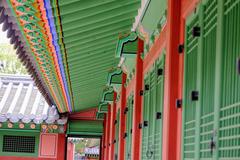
117 123
128 134
211 99
145 130
229 116
198 111
190 70
159 108
152 112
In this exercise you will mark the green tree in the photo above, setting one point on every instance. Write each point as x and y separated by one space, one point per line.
9 63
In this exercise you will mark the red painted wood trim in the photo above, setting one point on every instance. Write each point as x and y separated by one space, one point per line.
48 145
108 133
113 118
170 111
70 151
105 137
137 109
188 7
180 89
122 119
103 151
61 146
88 114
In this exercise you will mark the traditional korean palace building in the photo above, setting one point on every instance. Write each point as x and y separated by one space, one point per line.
151 79
26 119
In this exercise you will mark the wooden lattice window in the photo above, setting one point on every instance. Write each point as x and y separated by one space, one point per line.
20 144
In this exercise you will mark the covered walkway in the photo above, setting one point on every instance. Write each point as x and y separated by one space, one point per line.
152 79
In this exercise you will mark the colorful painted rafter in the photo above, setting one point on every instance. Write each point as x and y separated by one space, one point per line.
37 25
62 42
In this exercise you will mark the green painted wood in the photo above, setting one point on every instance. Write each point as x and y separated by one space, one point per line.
108 94
218 73
15 127
154 13
127 44
129 64
160 64
115 77
19 133
90 30
190 79
210 68
152 112
85 127
103 107
128 139
145 130
151 106
228 139
100 115
208 52
88 134
130 48
100 10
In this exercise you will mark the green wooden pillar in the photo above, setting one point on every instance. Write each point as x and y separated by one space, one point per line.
218 74
199 84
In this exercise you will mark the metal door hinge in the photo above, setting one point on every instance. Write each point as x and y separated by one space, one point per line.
114 141
179 103
141 93
131 130
125 135
115 122
180 48
158 115
196 32
146 87
140 126
160 72
145 123
195 95
125 110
